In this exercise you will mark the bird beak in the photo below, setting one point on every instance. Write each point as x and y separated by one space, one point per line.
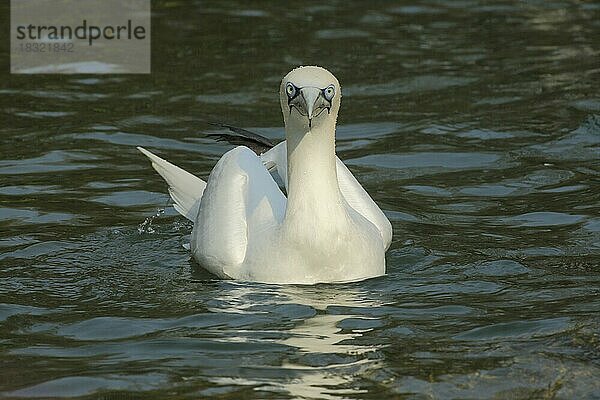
310 103
310 95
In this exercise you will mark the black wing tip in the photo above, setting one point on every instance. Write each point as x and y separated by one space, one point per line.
240 136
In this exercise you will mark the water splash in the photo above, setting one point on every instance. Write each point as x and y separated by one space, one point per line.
146 226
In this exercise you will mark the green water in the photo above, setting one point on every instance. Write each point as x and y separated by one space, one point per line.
474 125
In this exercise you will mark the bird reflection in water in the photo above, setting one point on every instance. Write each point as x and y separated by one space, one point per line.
323 347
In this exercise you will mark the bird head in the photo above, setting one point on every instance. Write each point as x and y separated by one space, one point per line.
309 97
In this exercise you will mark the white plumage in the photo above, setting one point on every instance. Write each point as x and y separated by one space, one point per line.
185 189
328 229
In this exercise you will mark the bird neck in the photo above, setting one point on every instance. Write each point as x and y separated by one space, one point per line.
312 176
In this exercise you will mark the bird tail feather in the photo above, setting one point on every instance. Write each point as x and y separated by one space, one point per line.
185 189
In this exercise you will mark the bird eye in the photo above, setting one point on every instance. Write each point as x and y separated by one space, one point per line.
329 92
290 89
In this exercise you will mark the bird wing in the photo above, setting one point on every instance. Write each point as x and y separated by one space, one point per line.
185 189
354 194
358 198
242 137
241 202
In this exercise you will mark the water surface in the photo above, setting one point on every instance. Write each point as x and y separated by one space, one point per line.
475 126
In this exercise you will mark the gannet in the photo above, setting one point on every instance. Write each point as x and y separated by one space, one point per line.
327 228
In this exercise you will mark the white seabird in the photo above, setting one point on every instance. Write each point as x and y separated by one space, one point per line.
328 229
